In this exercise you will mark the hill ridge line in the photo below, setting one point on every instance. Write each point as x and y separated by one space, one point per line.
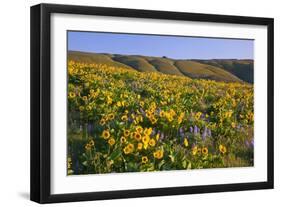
227 70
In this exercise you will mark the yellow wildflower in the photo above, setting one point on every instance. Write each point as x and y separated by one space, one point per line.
222 149
148 131
145 139
180 118
102 121
157 136
140 146
205 151
194 150
137 136
198 115
119 104
85 98
105 134
111 116
139 129
72 95
152 142
126 150
124 118
88 147
126 133
153 120
185 142
91 142
88 108
123 140
144 159
158 154
162 114
109 100
111 141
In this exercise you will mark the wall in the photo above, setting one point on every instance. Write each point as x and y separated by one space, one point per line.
14 110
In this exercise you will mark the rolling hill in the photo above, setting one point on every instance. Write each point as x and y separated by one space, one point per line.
243 69
227 70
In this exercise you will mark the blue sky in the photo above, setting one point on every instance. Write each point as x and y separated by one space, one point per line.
155 45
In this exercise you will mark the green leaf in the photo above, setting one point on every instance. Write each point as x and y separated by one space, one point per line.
161 163
189 165
184 164
172 157
85 163
115 154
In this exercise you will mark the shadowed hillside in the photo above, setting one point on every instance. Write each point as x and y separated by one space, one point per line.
165 66
243 69
231 70
195 69
136 62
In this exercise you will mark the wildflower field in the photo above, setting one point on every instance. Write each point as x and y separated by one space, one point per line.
122 120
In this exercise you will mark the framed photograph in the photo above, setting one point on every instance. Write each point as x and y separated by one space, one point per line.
133 103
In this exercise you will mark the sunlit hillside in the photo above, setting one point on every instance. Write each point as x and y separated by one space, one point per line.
220 70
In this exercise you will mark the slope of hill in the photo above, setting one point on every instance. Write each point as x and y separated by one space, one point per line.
94 58
243 69
165 66
198 70
220 70
136 62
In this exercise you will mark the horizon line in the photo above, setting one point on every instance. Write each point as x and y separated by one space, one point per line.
104 53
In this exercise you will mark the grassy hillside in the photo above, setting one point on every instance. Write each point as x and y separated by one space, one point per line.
165 66
136 62
95 58
219 70
198 70
243 69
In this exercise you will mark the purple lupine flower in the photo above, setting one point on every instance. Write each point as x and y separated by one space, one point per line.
142 111
90 128
209 132
196 130
190 129
181 131
204 134
157 111
130 120
247 143
76 167
161 136
252 143
153 132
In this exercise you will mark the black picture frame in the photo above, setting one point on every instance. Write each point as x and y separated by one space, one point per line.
41 96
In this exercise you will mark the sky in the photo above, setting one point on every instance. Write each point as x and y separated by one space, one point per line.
176 47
